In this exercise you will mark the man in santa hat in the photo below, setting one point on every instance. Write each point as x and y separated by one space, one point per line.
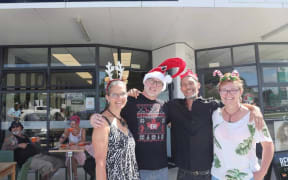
146 120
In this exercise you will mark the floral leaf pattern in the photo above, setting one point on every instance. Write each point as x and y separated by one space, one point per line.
215 140
244 147
235 174
217 162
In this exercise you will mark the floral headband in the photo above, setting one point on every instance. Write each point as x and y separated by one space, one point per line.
110 69
233 76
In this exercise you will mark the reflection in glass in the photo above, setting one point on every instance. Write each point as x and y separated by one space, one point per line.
214 58
23 80
73 56
273 53
244 54
107 55
69 80
270 75
26 57
248 75
275 74
275 103
135 59
281 132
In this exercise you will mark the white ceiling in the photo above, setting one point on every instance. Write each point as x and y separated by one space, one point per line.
144 28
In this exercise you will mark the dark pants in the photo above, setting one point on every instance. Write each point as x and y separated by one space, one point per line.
193 175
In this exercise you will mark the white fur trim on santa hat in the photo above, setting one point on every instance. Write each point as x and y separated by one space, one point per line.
160 76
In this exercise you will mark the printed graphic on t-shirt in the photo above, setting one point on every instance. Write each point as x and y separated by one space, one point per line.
151 123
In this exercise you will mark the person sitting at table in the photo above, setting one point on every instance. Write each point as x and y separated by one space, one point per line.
24 149
75 135
114 145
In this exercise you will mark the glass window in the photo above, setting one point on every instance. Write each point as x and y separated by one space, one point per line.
65 105
107 55
275 103
214 58
30 109
72 80
244 54
273 53
26 57
248 75
281 135
135 59
275 74
73 56
24 80
270 75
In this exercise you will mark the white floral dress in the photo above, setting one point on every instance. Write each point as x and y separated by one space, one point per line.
235 147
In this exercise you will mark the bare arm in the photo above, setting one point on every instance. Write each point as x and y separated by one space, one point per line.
64 136
83 135
100 145
267 155
256 116
96 120
10 143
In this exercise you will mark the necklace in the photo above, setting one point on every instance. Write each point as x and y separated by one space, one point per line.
232 114
122 121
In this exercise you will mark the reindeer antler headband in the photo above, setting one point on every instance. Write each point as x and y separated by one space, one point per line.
233 76
110 70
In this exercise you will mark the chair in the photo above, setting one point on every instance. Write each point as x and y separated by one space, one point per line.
7 156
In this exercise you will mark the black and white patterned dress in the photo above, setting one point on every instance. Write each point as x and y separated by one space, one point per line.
121 161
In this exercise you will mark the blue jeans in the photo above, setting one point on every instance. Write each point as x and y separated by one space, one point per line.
188 175
159 174
214 178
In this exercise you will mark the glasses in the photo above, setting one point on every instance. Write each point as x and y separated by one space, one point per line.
155 82
118 95
231 91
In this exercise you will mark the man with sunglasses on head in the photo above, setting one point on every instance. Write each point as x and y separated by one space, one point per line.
24 149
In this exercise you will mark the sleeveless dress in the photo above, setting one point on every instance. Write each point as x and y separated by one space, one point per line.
79 156
121 160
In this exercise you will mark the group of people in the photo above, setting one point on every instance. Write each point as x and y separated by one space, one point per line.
213 140
27 149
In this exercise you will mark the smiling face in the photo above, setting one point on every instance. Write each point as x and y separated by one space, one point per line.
16 130
190 87
117 95
231 92
153 87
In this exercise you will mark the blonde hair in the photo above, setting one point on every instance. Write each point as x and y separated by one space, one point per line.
227 77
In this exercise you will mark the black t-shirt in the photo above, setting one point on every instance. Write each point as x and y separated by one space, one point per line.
192 135
21 155
147 122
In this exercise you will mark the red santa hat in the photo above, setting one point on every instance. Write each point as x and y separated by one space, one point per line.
159 72
190 73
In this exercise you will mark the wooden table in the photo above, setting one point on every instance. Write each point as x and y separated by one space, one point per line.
69 150
8 168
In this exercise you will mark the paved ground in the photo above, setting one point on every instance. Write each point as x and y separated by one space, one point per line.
60 175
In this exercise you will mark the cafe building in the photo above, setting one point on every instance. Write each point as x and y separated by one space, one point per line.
53 55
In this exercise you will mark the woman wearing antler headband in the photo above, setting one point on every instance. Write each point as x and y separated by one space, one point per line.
235 137
114 145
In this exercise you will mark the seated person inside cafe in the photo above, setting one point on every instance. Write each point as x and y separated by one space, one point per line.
76 136
25 148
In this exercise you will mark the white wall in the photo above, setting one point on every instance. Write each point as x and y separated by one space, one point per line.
180 50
